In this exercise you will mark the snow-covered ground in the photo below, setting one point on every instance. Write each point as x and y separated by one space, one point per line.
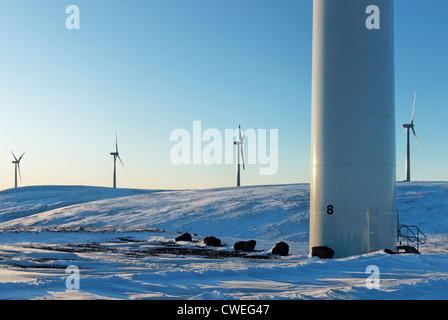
122 242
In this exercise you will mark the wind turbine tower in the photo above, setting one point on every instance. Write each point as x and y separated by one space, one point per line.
408 153
17 166
240 152
116 155
352 188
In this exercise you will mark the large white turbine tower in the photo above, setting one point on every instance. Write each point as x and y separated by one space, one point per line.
352 201
240 154
17 166
116 155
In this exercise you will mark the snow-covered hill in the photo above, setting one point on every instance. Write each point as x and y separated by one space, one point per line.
273 212
119 238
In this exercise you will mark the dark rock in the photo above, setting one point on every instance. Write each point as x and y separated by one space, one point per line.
185 237
247 246
212 241
281 249
323 252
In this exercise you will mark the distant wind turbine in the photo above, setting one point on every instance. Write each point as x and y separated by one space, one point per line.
17 166
240 150
408 156
116 155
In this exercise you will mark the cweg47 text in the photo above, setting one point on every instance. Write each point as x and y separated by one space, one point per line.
226 309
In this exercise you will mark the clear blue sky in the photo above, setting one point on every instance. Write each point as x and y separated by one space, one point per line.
148 67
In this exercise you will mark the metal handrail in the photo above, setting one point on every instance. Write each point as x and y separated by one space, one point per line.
412 236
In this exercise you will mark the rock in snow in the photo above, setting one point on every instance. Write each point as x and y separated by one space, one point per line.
212 241
247 246
281 249
322 252
185 237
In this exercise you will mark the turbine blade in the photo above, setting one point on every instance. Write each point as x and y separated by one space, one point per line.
21 156
413 109
116 142
242 138
239 132
14 155
416 139
118 156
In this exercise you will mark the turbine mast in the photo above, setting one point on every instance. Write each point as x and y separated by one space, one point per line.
408 158
15 175
115 172
352 187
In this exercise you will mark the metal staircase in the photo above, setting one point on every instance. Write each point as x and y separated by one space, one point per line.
412 234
